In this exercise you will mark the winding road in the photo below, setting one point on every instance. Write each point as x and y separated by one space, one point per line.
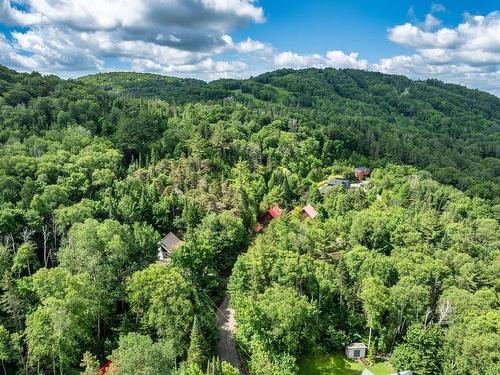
226 349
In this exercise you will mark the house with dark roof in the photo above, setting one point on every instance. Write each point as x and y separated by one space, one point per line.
335 182
168 244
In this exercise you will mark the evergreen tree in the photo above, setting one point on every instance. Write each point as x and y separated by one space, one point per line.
197 347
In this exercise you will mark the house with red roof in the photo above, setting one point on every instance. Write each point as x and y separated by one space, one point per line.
273 213
107 369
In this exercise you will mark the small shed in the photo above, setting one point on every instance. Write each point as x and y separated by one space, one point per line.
335 182
168 244
308 212
362 172
356 350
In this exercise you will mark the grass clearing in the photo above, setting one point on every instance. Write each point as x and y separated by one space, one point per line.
339 364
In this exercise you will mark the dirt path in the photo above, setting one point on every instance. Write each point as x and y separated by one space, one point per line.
226 349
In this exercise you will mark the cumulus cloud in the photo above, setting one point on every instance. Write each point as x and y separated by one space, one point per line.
436 7
80 34
193 38
207 68
337 59
467 54
476 35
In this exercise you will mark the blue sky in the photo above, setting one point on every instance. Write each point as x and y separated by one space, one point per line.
456 41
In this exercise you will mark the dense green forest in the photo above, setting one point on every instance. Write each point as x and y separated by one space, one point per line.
94 171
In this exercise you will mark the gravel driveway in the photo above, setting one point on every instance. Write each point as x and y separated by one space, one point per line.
226 349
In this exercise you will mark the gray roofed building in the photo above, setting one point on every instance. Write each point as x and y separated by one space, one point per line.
356 350
167 244
335 182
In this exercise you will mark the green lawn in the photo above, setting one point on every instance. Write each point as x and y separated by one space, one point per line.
339 364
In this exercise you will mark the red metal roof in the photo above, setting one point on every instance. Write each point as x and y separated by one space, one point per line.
275 211
107 366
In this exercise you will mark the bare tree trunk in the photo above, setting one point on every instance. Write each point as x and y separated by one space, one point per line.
370 337
4 369
54 234
46 234
10 238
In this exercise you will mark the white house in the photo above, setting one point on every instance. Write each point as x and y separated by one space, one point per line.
168 244
356 350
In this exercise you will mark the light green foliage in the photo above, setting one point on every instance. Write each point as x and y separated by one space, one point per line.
420 351
90 364
164 301
197 352
91 178
24 259
5 346
138 355
269 320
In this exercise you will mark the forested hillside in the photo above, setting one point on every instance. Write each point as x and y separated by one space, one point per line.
95 171
366 117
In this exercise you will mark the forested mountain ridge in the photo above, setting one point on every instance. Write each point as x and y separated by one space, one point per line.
91 179
447 129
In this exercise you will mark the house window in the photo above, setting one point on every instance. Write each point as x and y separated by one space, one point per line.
357 353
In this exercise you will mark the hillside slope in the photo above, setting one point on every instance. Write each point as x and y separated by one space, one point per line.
449 130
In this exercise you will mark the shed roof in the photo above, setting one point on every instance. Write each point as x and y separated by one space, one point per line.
170 242
311 211
362 169
357 345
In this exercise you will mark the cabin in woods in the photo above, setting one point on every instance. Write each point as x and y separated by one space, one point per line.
356 350
168 244
308 212
362 172
273 213
335 182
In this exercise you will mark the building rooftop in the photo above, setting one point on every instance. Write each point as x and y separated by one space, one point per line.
275 211
357 345
311 211
170 242
335 182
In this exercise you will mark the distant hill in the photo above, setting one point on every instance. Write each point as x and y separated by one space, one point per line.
447 129
148 86
352 115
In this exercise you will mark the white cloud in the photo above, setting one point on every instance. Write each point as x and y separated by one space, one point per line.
208 68
193 38
436 7
467 54
412 36
431 22
80 34
336 59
